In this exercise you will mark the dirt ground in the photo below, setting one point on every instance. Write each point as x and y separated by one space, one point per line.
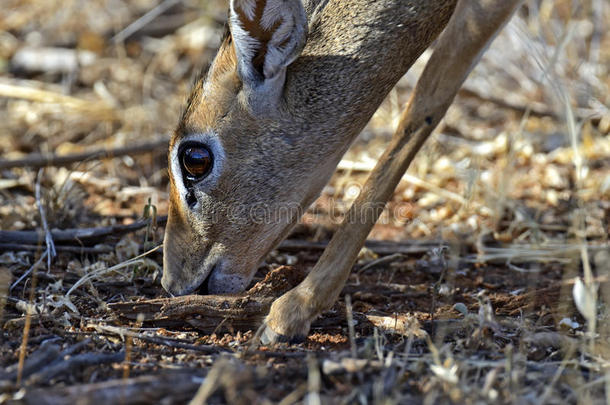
485 281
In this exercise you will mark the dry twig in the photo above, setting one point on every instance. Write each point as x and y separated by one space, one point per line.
48 238
179 386
161 340
84 236
41 160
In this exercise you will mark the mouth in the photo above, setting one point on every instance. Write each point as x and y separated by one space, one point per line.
203 288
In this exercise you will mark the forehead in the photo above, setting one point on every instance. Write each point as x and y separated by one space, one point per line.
212 95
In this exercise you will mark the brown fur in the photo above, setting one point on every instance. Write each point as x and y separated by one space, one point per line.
355 53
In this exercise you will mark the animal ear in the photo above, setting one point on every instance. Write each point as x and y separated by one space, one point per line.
268 36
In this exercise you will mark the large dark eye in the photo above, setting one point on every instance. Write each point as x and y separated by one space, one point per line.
196 161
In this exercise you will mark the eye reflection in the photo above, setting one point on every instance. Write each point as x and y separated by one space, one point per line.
196 161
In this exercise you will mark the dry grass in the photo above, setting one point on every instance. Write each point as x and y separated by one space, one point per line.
516 182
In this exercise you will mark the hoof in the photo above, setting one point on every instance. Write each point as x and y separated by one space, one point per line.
269 336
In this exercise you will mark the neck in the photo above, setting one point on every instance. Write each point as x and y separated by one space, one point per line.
353 58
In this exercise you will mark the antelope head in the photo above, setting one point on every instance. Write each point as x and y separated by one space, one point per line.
237 176
267 125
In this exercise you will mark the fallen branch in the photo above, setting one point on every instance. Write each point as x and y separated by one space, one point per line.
210 313
5 247
48 361
175 387
41 160
46 354
381 247
213 313
161 340
105 330
84 236
70 364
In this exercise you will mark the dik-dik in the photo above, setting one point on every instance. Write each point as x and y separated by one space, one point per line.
291 86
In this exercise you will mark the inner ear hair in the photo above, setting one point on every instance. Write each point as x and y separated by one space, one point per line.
251 22
268 35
